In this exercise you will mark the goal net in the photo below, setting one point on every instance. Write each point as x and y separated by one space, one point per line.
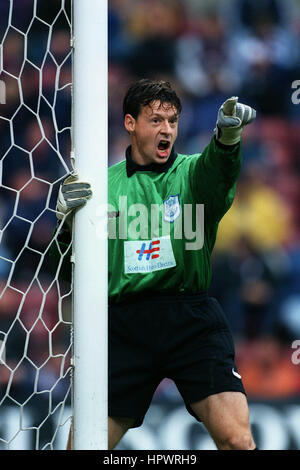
35 145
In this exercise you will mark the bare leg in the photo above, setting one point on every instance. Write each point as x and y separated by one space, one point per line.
226 417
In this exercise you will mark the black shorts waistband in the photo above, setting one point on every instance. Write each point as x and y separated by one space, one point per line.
161 297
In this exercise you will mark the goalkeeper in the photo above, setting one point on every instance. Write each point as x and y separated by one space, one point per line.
162 323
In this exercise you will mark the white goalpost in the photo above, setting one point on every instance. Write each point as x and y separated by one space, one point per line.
90 263
53 330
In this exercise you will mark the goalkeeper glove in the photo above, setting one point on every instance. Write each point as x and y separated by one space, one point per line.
232 117
72 194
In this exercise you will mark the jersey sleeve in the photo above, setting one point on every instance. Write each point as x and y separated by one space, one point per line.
213 177
60 252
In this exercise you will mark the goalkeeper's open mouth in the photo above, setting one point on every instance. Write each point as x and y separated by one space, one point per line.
163 149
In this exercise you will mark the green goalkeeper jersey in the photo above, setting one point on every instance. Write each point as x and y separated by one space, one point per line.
163 221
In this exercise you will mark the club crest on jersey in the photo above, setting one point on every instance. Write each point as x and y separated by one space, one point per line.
172 208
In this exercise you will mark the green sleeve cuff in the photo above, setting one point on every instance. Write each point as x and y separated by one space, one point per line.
227 148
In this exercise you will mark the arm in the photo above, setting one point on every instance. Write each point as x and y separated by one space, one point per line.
218 167
72 195
61 248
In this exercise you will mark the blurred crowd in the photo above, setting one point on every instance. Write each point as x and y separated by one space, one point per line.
209 50
35 121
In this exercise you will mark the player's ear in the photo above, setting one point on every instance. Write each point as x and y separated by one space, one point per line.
129 123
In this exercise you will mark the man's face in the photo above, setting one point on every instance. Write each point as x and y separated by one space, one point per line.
153 133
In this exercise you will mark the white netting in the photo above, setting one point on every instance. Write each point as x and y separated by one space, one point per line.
35 142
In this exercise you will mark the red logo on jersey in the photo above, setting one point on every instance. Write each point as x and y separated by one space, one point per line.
151 252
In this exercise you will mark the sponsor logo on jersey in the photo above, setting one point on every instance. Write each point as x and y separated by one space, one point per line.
172 208
148 255
151 253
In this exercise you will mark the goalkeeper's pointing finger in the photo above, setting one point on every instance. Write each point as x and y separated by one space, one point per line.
232 118
229 106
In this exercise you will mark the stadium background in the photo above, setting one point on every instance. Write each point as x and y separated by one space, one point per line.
209 50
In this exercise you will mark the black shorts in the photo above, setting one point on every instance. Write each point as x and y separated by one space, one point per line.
185 338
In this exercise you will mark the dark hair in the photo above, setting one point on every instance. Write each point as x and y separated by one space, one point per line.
144 91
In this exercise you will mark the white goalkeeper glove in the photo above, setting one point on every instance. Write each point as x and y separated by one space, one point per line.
72 194
232 117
